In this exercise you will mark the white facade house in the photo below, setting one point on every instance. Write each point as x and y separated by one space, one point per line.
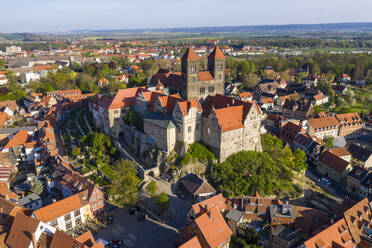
67 213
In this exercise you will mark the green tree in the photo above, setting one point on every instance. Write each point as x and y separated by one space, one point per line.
316 109
37 186
152 188
132 118
162 201
75 151
329 141
197 153
124 188
2 65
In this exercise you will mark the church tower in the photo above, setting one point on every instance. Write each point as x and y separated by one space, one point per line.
190 74
217 65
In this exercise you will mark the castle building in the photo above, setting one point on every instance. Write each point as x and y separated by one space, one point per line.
191 109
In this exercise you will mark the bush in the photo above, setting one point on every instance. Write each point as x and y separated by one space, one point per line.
197 153
162 201
152 188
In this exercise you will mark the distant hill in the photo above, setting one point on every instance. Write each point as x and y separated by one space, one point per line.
291 28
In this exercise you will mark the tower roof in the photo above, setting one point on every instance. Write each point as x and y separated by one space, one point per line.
190 55
217 54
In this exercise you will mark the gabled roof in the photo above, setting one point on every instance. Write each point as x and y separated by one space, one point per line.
230 118
190 55
185 106
205 76
213 227
62 207
332 161
359 152
336 234
20 138
340 151
196 185
125 97
192 243
62 240
22 229
324 122
216 201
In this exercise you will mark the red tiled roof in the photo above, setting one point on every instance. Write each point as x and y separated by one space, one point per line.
62 207
20 138
216 201
192 243
125 97
185 106
230 118
205 76
190 55
336 163
217 54
213 227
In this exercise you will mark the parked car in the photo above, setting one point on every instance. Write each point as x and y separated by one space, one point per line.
325 181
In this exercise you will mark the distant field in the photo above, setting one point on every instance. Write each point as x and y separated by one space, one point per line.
336 49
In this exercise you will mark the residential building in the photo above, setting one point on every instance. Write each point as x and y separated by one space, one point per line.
340 89
319 99
67 213
208 230
341 152
353 230
354 179
266 103
323 127
360 156
245 96
349 124
333 167
196 187
297 109
71 183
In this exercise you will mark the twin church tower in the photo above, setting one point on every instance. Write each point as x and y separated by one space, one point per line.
198 84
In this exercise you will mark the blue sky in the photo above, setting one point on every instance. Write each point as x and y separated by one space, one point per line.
64 15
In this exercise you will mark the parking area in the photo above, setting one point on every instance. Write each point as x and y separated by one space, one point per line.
137 232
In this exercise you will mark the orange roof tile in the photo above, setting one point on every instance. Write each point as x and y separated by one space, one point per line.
230 118
205 76
213 227
62 207
185 106
4 117
192 243
20 138
190 55
324 122
339 151
125 97
216 201
217 53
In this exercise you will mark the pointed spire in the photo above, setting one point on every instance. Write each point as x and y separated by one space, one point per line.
217 53
190 55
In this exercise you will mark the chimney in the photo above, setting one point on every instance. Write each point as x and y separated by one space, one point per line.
34 243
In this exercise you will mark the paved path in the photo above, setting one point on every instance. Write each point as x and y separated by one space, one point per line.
137 233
